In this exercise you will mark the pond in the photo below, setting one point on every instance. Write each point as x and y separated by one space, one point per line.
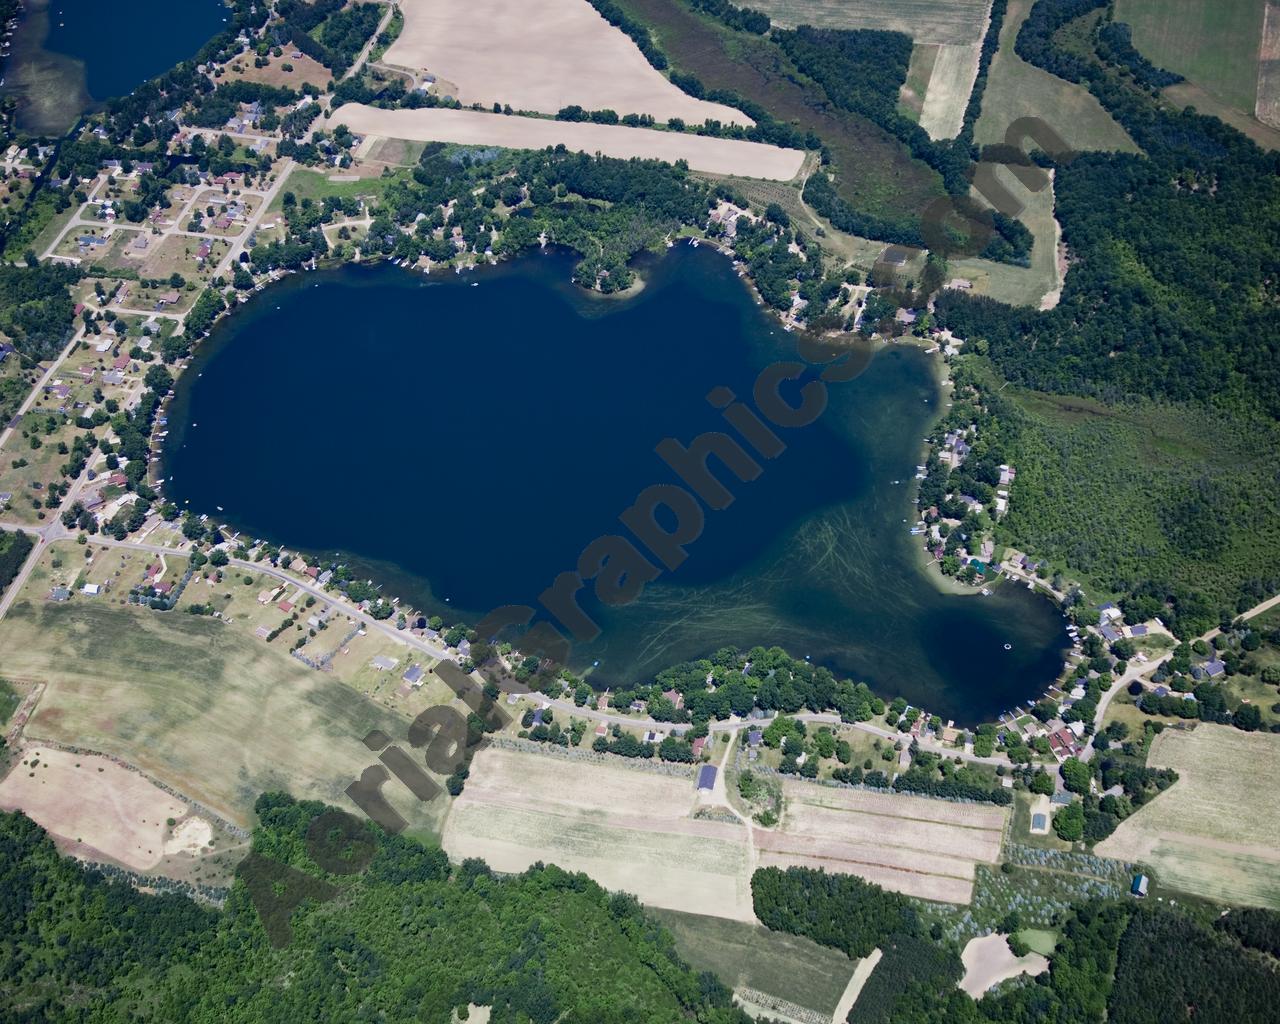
464 440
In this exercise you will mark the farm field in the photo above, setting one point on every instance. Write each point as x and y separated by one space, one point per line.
540 55
925 848
875 172
1017 89
470 127
1213 43
953 22
202 706
1267 106
627 828
955 69
750 956
1214 832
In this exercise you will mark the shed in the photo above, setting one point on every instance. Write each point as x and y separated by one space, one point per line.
707 777
1139 887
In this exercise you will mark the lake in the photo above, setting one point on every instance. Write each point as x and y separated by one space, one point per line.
463 440
70 55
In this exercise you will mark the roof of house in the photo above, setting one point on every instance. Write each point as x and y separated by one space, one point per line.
414 674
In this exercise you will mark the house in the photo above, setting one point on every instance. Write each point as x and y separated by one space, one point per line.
1139 887
59 594
1109 612
755 737
1108 633
167 299
414 675
639 706
602 729
91 589
285 606
384 664
602 701
698 746
676 698
537 718
163 588
262 633
120 362
706 778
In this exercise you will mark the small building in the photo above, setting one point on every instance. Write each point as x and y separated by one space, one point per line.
414 675
60 594
1139 887
1039 824
91 589
706 778
755 737
384 664
698 745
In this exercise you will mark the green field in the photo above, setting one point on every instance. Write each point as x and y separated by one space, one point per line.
788 967
1213 43
958 22
1040 940
203 706
315 185
1017 89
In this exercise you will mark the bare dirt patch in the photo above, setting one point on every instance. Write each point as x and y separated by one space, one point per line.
94 806
471 127
540 55
989 961
190 836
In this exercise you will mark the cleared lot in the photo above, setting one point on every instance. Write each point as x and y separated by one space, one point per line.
540 55
955 69
1216 831
472 127
95 807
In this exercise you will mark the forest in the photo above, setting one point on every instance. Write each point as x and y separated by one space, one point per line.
331 919
1157 483
36 311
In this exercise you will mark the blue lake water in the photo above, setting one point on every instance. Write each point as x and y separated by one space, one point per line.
463 440
125 43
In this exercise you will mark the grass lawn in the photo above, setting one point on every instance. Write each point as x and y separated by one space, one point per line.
743 955
1040 940
315 185
1017 89
1213 43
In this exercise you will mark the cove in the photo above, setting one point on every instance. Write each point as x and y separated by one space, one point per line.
72 54
463 440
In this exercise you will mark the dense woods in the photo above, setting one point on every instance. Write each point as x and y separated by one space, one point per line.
841 911
36 311
391 925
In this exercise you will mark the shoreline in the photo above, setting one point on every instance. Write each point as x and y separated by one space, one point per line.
376 571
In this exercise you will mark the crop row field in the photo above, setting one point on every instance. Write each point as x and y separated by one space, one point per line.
540 55
951 22
633 830
1216 831
473 127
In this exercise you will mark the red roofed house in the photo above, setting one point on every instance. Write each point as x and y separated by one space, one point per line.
119 480
120 363
163 588
285 606
675 696
698 744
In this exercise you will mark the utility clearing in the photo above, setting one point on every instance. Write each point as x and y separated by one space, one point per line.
540 55
1216 831
477 128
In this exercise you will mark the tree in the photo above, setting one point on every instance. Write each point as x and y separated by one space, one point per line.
1075 775
1069 822
1041 782
218 558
